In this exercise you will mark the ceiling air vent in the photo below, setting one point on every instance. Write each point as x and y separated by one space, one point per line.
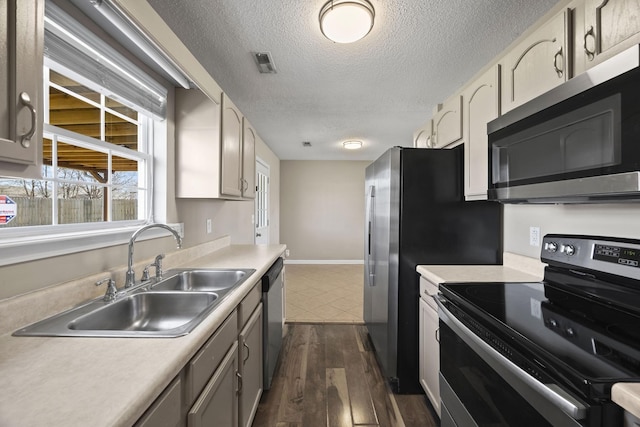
265 63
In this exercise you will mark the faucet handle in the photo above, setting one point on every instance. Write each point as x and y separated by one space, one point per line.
158 265
112 291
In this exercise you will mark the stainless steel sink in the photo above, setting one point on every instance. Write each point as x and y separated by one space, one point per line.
163 312
172 307
215 280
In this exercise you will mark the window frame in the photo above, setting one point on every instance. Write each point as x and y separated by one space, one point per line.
30 243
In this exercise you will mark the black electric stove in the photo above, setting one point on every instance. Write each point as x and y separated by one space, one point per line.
577 331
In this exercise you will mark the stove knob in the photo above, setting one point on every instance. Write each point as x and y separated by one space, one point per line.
551 246
569 250
570 332
553 323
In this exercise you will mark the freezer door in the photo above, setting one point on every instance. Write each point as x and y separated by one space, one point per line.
381 253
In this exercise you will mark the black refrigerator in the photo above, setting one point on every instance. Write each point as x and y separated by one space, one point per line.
416 214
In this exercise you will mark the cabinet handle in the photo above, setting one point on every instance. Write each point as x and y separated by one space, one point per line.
239 383
438 334
590 54
25 100
244 344
559 71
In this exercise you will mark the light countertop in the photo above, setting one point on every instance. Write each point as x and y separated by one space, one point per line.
54 381
626 395
474 273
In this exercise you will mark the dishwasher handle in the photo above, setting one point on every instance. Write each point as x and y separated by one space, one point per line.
272 274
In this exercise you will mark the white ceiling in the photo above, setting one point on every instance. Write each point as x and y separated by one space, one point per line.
379 89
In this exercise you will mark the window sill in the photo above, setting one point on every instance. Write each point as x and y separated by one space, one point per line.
31 248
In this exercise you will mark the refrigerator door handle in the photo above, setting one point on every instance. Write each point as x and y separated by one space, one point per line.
370 244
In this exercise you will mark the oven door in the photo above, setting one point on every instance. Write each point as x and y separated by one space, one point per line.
481 387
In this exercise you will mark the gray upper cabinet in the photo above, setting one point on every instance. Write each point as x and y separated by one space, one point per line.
249 139
21 46
215 148
231 152
537 64
447 123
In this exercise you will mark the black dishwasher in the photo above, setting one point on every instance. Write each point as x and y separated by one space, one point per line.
272 300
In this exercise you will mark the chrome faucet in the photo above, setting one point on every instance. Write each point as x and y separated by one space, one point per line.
131 274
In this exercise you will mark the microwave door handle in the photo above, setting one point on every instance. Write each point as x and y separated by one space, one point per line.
554 396
370 243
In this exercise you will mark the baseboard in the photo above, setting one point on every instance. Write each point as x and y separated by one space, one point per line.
324 261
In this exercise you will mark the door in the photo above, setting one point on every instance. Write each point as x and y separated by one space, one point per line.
537 64
231 151
250 347
262 203
381 269
480 107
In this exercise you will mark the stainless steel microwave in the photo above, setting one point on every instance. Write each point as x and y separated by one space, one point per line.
577 143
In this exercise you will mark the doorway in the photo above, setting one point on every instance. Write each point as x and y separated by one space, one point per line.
261 236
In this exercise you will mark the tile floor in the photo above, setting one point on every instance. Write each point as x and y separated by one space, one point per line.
324 293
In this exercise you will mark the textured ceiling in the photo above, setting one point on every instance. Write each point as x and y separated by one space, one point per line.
379 89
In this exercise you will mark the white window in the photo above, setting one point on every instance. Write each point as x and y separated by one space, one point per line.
100 112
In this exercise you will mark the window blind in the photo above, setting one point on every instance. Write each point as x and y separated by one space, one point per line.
78 49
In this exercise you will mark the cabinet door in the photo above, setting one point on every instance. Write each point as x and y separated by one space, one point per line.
250 348
422 137
197 144
447 123
537 64
429 354
166 411
610 26
218 402
480 106
249 138
21 44
231 150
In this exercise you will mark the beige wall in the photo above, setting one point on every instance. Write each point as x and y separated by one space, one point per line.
617 220
322 209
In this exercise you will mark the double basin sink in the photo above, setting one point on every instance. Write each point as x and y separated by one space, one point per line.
169 307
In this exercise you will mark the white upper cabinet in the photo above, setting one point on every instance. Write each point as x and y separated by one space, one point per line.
604 28
423 136
480 106
537 64
21 45
447 123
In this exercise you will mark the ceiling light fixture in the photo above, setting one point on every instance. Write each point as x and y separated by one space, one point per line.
346 21
352 145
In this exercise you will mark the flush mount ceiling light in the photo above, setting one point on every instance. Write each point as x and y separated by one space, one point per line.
352 145
346 21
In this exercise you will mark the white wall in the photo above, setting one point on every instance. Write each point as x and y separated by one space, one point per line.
322 209
616 220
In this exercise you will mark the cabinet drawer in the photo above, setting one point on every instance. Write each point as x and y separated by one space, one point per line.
205 362
166 410
427 291
249 304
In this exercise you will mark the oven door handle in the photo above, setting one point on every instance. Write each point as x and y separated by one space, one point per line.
555 396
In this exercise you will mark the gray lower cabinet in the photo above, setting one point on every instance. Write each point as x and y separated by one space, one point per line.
250 351
218 402
221 385
166 410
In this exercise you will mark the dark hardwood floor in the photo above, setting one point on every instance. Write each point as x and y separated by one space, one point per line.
328 376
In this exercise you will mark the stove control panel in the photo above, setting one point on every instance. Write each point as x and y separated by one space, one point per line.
605 254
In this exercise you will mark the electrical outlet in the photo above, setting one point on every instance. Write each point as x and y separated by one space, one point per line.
534 236
286 253
209 226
